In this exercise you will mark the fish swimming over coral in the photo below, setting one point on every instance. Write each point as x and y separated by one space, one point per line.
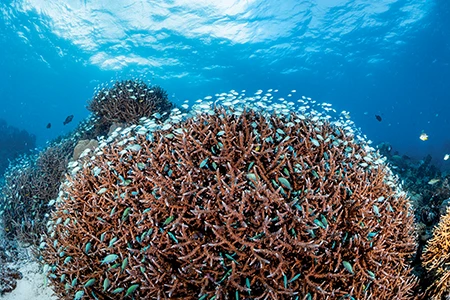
68 120
49 125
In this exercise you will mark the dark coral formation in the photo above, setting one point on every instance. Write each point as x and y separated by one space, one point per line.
8 279
425 183
13 142
126 102
29 185
238 206
32 181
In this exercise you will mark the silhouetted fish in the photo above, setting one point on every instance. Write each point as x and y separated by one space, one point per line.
68 120
378 118
49 125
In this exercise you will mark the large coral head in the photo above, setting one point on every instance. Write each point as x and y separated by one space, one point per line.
233 204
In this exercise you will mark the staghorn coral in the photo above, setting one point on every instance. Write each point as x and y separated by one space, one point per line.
436 258
232 206
126 102
32 181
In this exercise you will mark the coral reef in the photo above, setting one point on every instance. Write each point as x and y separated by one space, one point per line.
429 191
436 258
13 142
423 181
126 102
30 183
232 204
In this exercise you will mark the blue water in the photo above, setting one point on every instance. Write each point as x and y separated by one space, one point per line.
387 57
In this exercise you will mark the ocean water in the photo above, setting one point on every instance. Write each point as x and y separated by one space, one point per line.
386 58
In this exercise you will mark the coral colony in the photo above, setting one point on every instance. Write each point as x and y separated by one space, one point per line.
238 197
125 103
230 203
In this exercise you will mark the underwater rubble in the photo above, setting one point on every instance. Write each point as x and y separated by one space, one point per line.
8 274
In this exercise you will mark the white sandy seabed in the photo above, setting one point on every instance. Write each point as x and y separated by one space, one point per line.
32 285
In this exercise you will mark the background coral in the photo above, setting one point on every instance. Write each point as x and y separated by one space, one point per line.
427 187
429 191
232 205
126 102
30 183
13 142
33 180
